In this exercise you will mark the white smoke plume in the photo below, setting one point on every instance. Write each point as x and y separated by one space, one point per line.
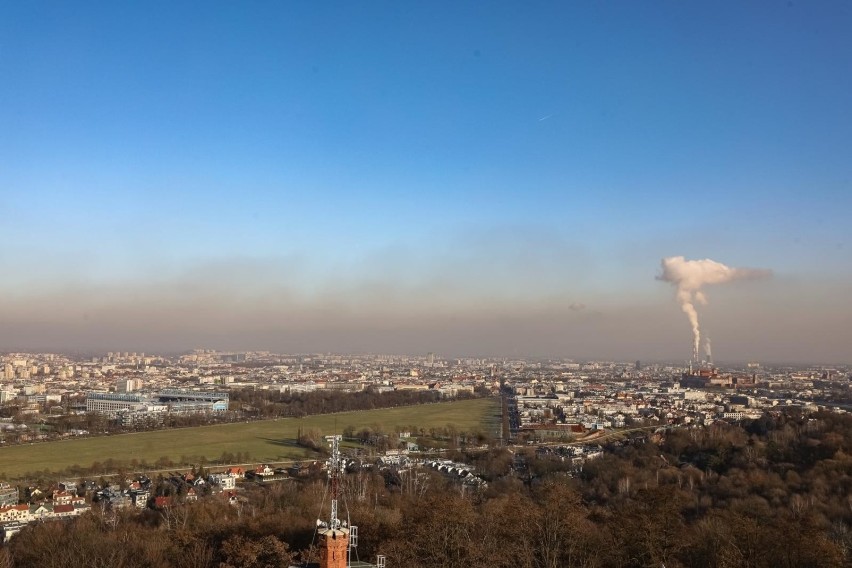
690 276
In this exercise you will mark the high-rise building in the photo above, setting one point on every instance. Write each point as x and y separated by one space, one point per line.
128 385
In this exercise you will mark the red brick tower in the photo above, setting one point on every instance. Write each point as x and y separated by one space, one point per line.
334 548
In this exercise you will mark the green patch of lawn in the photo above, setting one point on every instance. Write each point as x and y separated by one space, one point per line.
264 441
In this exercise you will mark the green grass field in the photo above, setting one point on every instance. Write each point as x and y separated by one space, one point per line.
265 441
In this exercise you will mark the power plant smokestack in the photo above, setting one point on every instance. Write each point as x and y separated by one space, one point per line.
690 276
708 351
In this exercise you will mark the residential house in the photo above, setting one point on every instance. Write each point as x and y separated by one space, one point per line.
41 511
15 513
263 471
235 472
139 498
63 498
80 508
10 529
64 511
8 494
226 482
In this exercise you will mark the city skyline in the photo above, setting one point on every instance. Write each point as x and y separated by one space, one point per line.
455 179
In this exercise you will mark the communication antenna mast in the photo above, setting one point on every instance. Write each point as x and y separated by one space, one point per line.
335 465
339 537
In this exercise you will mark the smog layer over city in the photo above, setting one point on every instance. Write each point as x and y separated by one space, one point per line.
425 284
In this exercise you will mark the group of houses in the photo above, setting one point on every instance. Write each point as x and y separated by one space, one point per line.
458 471
58 505
68 500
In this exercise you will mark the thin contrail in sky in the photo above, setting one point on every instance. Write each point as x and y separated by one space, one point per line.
545 117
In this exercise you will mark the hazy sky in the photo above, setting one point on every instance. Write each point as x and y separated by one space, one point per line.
459 177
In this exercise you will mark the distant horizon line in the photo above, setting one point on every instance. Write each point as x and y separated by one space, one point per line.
628 361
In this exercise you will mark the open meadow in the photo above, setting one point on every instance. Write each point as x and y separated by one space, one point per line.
263 441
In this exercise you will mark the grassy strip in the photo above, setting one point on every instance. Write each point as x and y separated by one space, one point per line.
266 440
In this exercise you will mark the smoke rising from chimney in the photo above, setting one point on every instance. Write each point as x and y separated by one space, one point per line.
690 276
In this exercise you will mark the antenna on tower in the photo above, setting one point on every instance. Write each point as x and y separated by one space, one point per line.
334 464
339 538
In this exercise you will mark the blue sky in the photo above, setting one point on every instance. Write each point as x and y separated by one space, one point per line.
545 154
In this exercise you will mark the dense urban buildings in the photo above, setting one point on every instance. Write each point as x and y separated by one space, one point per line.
552 397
